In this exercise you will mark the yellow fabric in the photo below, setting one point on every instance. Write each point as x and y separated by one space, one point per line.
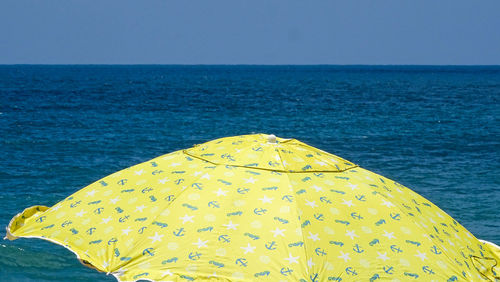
243 209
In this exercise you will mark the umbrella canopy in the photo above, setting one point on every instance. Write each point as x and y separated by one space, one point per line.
257 207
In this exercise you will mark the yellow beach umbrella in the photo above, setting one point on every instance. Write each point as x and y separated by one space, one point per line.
257 207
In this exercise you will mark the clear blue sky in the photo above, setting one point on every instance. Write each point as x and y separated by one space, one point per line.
250 32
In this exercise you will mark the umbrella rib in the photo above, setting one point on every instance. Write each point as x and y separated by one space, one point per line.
75 251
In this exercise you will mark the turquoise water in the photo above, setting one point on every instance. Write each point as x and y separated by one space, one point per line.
433 129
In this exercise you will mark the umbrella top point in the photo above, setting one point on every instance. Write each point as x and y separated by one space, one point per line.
268 152
271 138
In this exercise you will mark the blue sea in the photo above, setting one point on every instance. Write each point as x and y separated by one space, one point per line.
435 129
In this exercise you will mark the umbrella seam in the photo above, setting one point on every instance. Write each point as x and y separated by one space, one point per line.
296 209
268 169
416 223
159 214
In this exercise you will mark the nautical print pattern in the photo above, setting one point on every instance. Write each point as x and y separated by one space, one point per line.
246 209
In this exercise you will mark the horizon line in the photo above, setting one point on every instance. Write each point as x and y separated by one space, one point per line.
243 64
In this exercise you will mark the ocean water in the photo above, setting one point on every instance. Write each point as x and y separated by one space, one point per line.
435 129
